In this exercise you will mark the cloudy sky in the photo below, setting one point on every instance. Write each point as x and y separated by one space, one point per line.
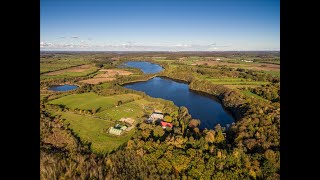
152 25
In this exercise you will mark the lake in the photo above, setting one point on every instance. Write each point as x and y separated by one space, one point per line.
146 67
65 87
208 109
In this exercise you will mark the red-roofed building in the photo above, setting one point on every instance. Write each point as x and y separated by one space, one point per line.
166 124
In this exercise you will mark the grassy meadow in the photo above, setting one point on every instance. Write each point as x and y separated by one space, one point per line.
235 81
56 64
134 109
89 101
250 94
94 130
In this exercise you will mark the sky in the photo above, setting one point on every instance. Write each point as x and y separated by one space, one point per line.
160 25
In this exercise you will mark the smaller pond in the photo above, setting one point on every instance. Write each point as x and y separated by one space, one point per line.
65 87
146 67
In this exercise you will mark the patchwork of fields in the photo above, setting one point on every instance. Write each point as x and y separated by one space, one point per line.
55 65
93 128
79 71
107 75
105 111
80 68
269 68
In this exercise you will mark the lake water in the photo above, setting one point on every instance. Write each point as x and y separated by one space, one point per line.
65 87
146 67
207 109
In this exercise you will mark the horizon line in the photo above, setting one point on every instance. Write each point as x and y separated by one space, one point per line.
159 51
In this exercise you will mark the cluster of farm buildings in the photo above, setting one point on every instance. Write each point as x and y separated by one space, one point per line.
155 117
118 129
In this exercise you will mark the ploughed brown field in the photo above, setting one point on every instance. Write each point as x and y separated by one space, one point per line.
114 72
109 75
73 69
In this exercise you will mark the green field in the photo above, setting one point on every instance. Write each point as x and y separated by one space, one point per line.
89 101
54 65
104 85
235 81
273 73
189 61
240 86
93 130
43 95
227 79
69 74
240 82
133 109
164 60
250 94
271 62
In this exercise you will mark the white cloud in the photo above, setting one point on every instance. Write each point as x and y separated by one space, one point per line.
128 46
183 45
45 44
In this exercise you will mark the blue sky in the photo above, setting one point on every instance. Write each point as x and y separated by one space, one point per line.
173 25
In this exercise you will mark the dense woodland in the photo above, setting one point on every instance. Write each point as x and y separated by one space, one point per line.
249 149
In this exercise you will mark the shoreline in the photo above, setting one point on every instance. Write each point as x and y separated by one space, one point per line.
211 96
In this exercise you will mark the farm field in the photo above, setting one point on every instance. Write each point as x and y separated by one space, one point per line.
104 85
240 64
239 81
231 86
235 83
91 128
250 94
94 130
54 64
106 75
164 60
80 68
134 109
96 80
274 73
90 101
79 71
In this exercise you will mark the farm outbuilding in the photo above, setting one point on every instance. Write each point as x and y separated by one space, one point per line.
115 131
165 124
156 115
127 120
123 128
